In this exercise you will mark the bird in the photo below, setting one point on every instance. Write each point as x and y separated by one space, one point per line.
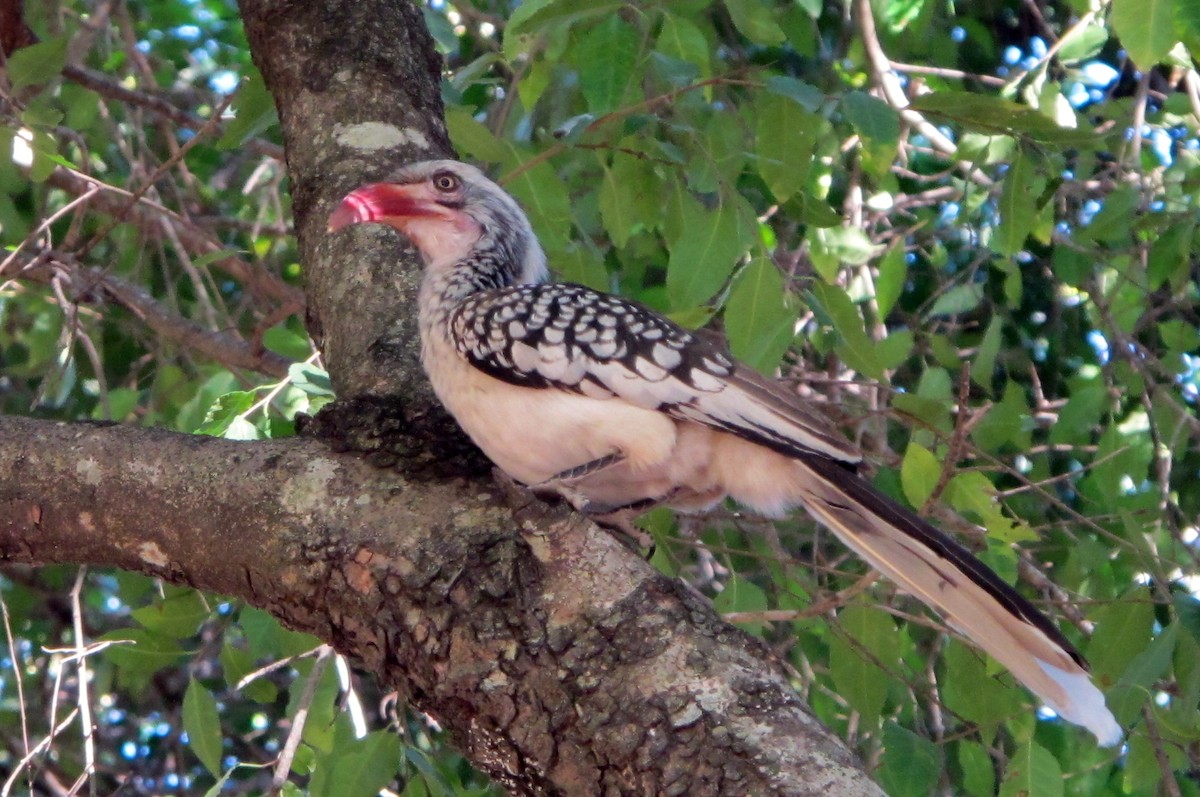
623 409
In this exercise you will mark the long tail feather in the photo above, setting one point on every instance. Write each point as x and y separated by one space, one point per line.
929 565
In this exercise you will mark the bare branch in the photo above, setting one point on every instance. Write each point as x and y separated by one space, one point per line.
219 346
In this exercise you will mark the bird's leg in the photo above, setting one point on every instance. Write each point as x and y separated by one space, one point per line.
614 518
579 471
560 484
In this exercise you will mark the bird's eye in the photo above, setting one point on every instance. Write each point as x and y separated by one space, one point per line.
446 182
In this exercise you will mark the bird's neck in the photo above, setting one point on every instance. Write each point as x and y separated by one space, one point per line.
447 287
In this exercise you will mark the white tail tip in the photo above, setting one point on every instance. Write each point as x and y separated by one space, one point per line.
1084 705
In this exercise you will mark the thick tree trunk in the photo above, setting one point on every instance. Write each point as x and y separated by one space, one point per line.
560 662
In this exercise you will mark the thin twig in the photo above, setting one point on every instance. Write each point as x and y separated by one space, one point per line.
91 191
44 744
889 86
83 701
284 762
18 677
149 182
220 346
818 609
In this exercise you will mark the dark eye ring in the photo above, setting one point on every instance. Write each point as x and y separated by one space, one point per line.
446 182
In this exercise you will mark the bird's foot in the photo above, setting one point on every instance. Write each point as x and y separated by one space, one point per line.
615 519
620 525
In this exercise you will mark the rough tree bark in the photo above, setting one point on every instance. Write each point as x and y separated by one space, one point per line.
560 662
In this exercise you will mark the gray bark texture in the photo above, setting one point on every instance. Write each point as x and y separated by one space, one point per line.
559 661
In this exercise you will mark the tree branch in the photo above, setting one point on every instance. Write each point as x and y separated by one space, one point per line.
560 662
149 216
223 347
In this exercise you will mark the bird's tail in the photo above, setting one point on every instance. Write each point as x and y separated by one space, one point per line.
926 563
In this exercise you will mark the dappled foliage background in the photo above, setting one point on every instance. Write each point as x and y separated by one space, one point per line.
967 230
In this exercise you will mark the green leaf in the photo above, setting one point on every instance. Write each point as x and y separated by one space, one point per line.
1146 29
718 155
1032 772
971 491
1082 43
1018 204
873 119
889 285
216 256
1187 610
361 767
45 156
919 474
995 116
1080 415
911 764
255 112
809 96
816 212
42 112
237 663
583 266
709 246
177 616
140 654
283 341
224 411
1187 23
892 351
606 56
321 727
983 367
1146 668
830 248
755 21
973 693
740 595
1111 223
314 381
979 776
38 63
1123 631
203 726
682 40
472 138
856 348
121 401
959 299
533 16
758 322
617 208
267 638
784 143
1005 422
543 195
1169 254
870 640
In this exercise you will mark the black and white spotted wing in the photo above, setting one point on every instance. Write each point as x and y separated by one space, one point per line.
569 337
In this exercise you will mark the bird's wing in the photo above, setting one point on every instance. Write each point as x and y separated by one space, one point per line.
569 337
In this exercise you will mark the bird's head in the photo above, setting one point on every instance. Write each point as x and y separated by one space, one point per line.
452 212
